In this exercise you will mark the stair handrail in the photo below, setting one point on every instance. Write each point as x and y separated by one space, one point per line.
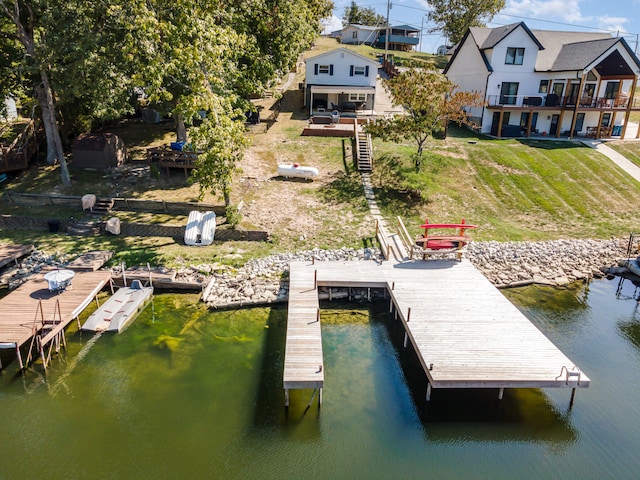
405 238
370 149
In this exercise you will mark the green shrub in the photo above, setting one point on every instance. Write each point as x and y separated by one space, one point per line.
233 215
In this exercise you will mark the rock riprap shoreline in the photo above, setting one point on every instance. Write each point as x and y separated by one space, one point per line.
553 262
263 280
505 264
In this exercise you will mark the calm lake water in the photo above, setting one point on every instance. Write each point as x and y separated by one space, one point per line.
188 393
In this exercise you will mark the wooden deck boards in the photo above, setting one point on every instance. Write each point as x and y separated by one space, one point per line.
19 308
10 253
303 364
90 261
465 332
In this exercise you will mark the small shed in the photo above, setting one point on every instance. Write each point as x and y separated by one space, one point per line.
98 151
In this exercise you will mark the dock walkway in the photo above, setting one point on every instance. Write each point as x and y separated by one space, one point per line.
32 312
465 333
303 364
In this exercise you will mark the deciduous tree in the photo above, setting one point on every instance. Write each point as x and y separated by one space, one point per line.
222 139
353 14
27 28
430 101
454 17
70 63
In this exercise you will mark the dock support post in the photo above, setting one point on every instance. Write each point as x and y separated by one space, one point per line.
320 397
286 397
428 392
329 293
500 393
573 396
406 337
391 305
19 357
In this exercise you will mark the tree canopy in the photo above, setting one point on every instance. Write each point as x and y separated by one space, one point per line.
454 17
353 14
81 61
430 102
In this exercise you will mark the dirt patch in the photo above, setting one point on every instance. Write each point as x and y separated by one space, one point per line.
297 211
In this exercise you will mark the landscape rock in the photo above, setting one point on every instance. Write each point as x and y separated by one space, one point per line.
264 280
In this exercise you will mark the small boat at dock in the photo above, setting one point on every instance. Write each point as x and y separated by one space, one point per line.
120 309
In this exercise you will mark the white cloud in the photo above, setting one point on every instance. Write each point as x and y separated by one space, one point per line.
331 24
580 13
613 23
558 10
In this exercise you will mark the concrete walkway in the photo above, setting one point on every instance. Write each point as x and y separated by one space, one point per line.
617 158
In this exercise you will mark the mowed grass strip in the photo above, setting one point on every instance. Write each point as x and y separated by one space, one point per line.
630 149
522 189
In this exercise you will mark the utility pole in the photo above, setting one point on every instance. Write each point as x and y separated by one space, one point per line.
421 27
386 37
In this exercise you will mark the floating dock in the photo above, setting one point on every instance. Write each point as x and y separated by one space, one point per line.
120 309
465 333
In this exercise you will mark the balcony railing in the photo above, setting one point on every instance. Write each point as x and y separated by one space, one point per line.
400 39
558 102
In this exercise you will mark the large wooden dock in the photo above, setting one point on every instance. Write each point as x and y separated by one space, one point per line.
33 315
465 333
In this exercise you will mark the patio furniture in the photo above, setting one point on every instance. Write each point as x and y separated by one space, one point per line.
59 280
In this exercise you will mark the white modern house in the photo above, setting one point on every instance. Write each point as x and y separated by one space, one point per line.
549 83
340 80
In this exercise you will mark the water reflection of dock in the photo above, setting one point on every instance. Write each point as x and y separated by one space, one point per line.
465 333
33 317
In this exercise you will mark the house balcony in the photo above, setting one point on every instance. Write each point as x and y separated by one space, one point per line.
555 102
399 39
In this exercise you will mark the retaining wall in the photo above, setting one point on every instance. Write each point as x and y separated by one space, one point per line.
128 229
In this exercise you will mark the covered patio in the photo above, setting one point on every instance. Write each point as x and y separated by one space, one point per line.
342 98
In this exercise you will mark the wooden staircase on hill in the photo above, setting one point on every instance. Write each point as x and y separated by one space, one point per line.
364 152
102 206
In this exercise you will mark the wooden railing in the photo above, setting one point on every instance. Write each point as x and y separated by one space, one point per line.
17 155
382 237
405 238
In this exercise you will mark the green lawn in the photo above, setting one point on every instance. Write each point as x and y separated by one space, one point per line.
629 149
515 189
416 59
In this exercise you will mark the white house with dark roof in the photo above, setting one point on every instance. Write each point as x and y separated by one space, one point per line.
354 34
340 80
401 37
548 83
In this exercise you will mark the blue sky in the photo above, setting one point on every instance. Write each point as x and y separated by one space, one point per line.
620 17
